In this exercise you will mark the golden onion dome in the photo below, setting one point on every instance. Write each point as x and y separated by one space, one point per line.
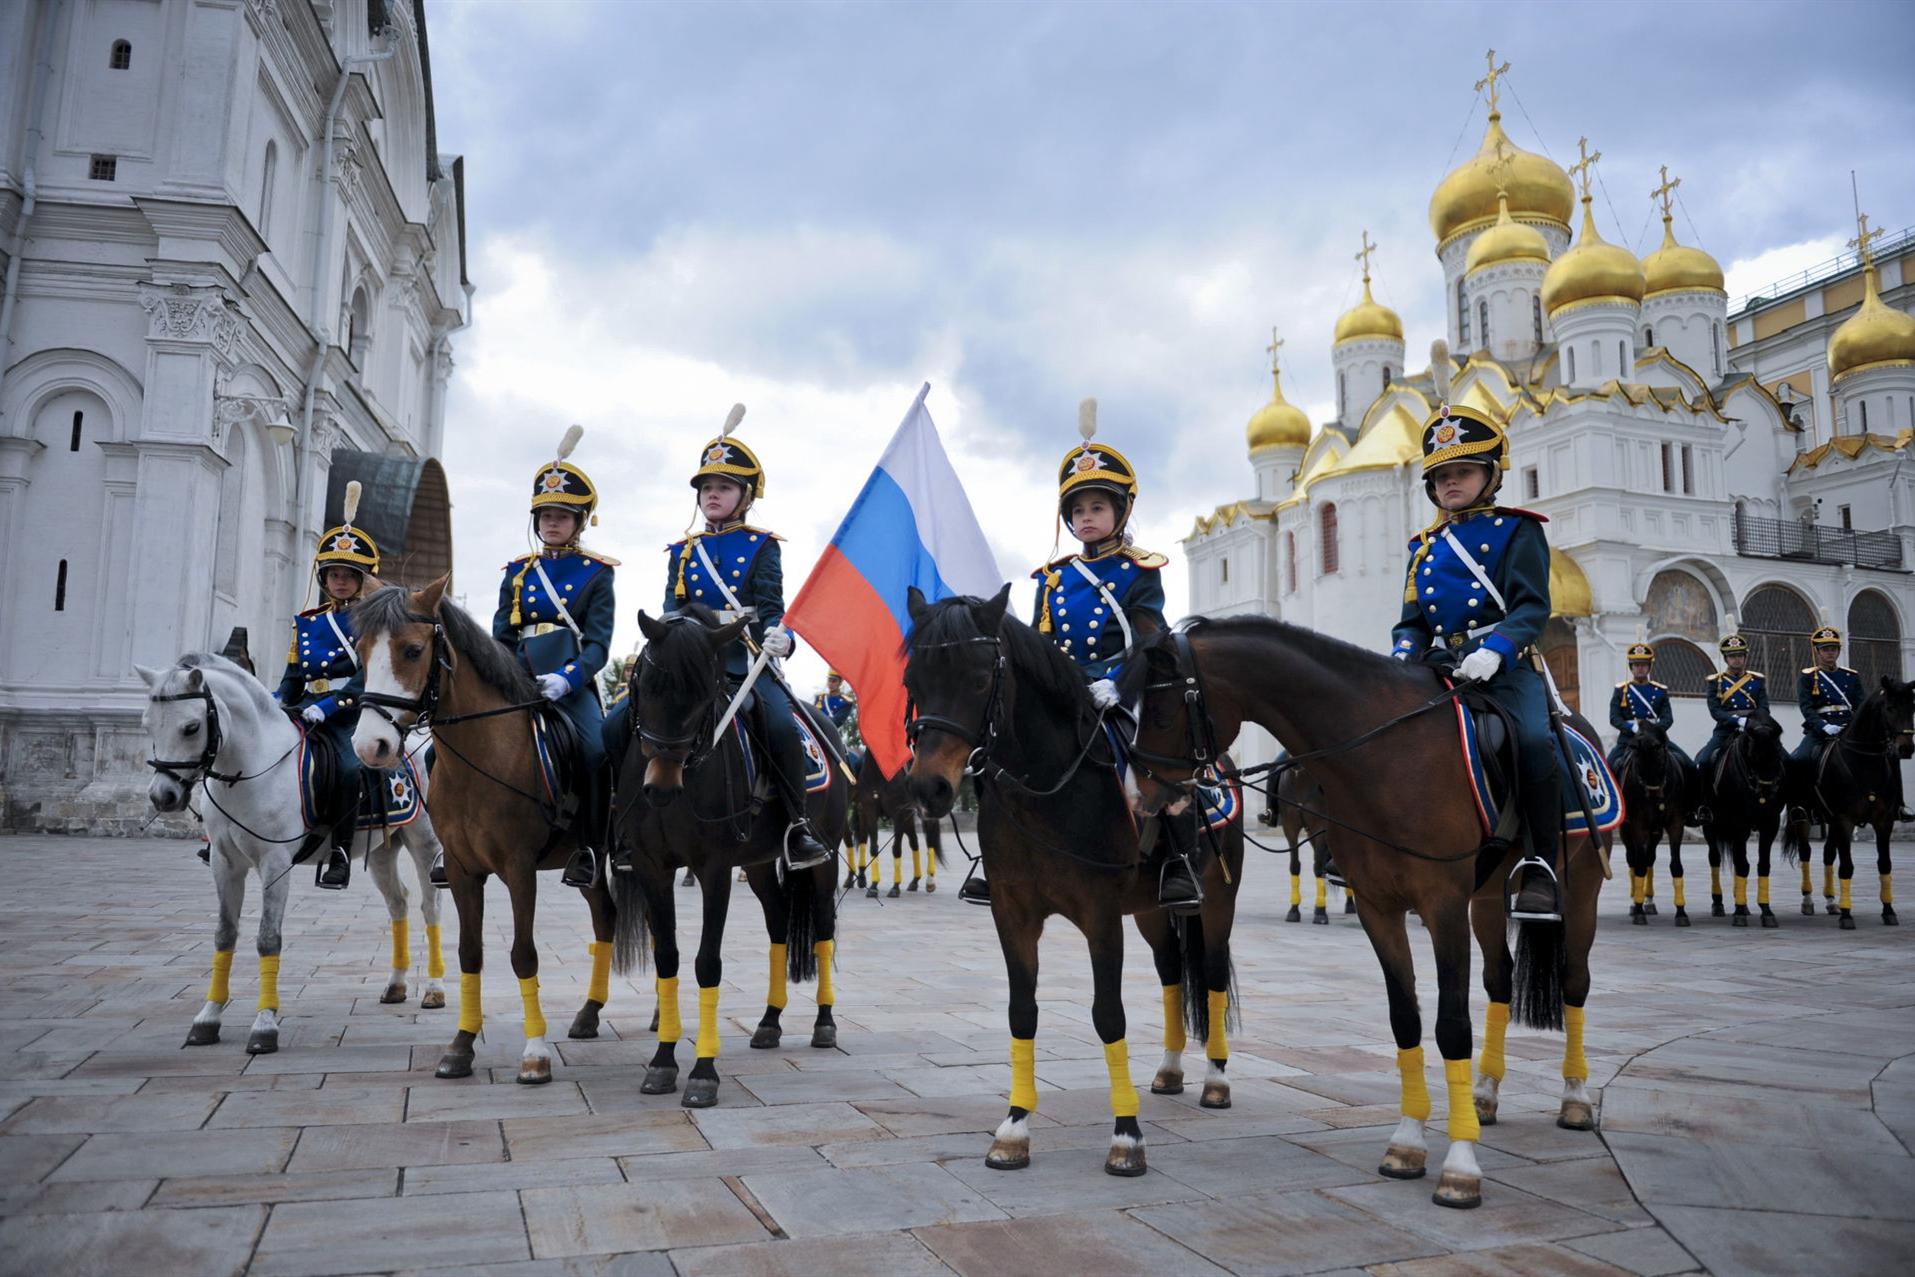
1279 423
1874 336
1677 268
1507 241
1466 199
1368 318
1592 270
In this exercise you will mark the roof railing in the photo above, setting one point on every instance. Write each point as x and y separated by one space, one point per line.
1887 246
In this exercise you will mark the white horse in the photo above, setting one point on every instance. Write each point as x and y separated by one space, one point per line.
214 726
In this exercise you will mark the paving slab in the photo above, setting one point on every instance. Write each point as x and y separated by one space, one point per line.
1085 1241
611 1219
213 1242
892 1254
833 1202
372 1147
158 1154
313 1239
1277 1234
630 1135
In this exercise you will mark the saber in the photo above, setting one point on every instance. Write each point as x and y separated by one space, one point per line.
751 676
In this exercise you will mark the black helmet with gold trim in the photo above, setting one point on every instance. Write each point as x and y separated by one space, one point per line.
731 459
1091 465
1734 645
346 546
561 485
1641 652
1459 432
1825 636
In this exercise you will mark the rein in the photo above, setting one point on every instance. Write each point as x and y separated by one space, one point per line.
203 765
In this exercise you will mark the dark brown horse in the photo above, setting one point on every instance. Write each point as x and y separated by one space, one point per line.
995 698
429 664
890 798
1655 796
1297 797
686 800
1381 740
1745 789
1853 783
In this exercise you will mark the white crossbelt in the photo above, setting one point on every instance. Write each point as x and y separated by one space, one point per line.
1836 687
352 655
1098 583
1475 568
558 603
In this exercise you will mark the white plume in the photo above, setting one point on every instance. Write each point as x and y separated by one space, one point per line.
1732 625
1087 418
352 501
732 418
573 433
1440 370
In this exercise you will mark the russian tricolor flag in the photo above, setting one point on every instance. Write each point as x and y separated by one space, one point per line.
911 525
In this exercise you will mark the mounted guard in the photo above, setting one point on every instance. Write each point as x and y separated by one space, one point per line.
556 611
1642 700
1732 694
1829 693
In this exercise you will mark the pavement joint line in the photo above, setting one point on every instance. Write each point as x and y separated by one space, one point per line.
750 1199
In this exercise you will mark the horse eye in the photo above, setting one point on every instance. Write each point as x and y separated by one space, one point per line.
415 650
191 729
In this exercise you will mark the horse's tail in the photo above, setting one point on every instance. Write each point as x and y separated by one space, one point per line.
801 923
1795 839
1542 964
1196 988
631 929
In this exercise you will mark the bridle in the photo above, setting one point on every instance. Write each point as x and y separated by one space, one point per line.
688 748
1639 744
980 738
1763 785
425 705
202 767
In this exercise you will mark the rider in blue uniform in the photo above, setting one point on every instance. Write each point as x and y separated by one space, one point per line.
1732 695
1828 693
323 679
1477 594
1642 700
840 710
1098 603
556 609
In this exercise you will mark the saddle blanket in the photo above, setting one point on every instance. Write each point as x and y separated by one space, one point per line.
387 799
1220 804
817 762
1591 771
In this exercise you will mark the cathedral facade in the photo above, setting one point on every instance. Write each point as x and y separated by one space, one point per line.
1701 470
232 254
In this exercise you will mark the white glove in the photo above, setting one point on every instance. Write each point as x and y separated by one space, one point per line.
554 687
1830 729
1741 724
313 714
1480 665
1103 694
778 643
1630 726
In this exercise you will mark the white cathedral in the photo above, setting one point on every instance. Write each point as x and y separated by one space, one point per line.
1699 468
233 258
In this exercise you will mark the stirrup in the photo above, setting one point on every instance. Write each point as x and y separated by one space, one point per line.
1334 876
437 874
976 888
1187 904
319 872
799 829
1555 888
583 876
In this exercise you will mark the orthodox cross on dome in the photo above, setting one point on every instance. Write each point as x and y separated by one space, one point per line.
1276 344
1580 169
1489 81
1369 247
1665 191
1863 237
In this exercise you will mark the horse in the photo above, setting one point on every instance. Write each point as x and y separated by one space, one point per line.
429 664
1655 793
1745 789
697 808
213 725
1416 845
994 698
1854 783
1296 796
890 797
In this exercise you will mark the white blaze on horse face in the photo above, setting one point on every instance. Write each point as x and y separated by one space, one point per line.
374 739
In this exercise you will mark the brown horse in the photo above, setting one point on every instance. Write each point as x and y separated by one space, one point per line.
1297 797
1381 740
1854 783
889 797
428 664
684 798
995 698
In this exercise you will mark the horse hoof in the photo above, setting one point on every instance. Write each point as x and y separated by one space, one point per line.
584 1025
913 886
847 881
930 887
1682 918
871 892
1888 917
1125 1158
1649 907
1008 1155
1577 1115
1167 1082
1847 923
394 993
203 1034
824 1036
1637 918
434 1000
262 1042
1349 904
535 1071
1808 908
1715 910
1485 1112
659 1081
1770 921
1458 1192
1828 907
1295 915
1740 920
894 893
766 1036
1404 1163
700 1093
1321 918
1216 1095
454 1064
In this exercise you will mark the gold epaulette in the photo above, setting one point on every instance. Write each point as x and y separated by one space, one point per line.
1145 558
594 556
1663 686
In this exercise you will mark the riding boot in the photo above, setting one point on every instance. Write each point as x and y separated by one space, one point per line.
581 870
1178 890
1539 897
336 870
438 872
975 889
802 849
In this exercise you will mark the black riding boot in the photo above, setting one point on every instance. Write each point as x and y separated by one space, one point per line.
1538 896
975 889
1178 890
581 870
438 873
335 871
802 849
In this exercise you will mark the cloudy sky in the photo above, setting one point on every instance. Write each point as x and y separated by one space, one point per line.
814 208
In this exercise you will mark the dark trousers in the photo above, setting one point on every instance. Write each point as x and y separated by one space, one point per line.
1519 689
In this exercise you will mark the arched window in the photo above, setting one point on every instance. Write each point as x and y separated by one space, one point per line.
1462 316
122 55
359 333
1648 336
1536 317
268 169
1569 359
1875 639
1681 666
79 421
1342 403
1386 376
1482 320
1622 359
1327 537
1862 404
1715 347
1290 563
1776 621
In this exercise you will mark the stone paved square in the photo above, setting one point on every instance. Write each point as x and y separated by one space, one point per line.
1757 1093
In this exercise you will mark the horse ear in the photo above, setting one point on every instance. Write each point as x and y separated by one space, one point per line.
371 585
914 605
427 600
195 679
652 628
148 675
993 614
1892 685
727 632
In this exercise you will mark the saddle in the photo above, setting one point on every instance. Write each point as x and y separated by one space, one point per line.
757 774
555 740
1490 754
381 800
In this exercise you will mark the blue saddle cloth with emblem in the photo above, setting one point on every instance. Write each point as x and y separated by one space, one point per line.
817 762
1591 772
386 800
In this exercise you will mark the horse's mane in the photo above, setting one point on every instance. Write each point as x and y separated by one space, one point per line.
211 663
389 608
1035 659
1317 647
684 665
1874 709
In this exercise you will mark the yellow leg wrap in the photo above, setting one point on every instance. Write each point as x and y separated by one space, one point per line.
1174 1037
1296 890
1808 883
1218 1047
707 1022
435 959
1495 1029
269 982
1635 887
1681 898
220 989
1024 1074
471 1013
897 869
1575 1065
930 865
401 946
600 989
1828 880
1416 1096
1123 1095
1456 1079
1741 891
917 864
779 994
825 949
1349 893
1649 883
1762 889
534 1017
1323 893
1715 880
1888 889
1847 883
670 1029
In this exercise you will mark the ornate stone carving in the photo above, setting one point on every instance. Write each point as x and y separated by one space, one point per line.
348 168
180 312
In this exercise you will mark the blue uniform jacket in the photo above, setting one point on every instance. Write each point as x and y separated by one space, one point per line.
751 567
1635 701
1444 602
1081 617
1731 697
836 708
1827 698
528 621
321 669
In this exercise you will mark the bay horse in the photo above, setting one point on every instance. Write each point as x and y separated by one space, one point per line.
685 800
889 797
429 664
1746 788
994 698
1655 796
1364 719
1854 783
213 726
1296 796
